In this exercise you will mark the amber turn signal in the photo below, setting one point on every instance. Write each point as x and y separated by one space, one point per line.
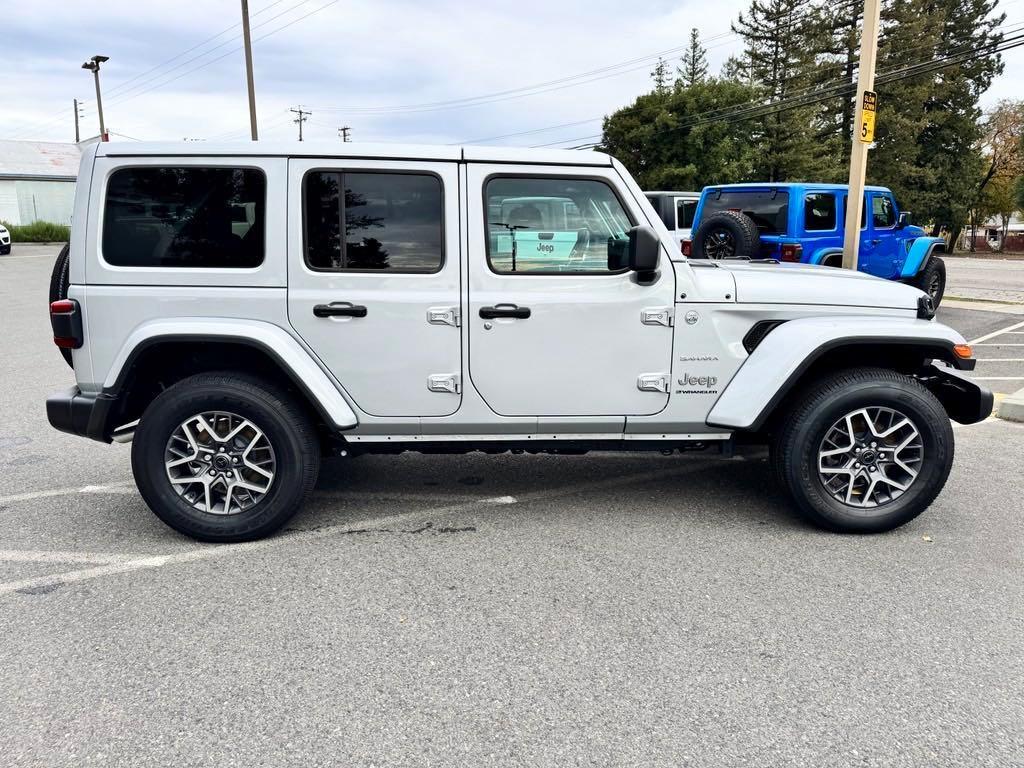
963 351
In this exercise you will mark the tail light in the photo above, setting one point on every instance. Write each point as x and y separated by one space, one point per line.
66 321
686 246
792 251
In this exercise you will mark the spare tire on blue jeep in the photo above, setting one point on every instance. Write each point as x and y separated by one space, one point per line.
726 235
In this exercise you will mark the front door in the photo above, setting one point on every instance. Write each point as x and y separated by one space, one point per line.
373 279
552 330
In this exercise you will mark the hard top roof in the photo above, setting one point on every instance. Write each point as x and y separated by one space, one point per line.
792 184
353 150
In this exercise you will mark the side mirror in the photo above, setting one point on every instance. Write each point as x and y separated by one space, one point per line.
644 249
903 220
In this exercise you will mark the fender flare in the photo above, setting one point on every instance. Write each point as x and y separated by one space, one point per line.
786 353
293 358
920 252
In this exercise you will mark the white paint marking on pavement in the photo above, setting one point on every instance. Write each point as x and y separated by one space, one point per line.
110 488
43 556
226 550
997 378
1000 332
1000 359
500 500
999 344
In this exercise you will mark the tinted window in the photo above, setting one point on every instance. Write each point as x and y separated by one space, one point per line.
768 209
553 225
684 213
883 215
819 211
391 221
184 217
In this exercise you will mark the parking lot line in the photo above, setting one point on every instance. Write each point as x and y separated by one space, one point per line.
1001 359
997 378
110 488
1000 332
44 556
211 551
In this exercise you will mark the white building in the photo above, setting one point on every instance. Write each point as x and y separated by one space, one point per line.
37 181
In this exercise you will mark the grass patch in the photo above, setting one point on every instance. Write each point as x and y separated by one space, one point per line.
38 232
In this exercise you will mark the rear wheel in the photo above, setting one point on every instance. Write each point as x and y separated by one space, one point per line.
865 451
726 235
932 279
224 458
60 281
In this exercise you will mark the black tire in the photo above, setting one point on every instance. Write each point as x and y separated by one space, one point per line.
932 279
286 426
60 281
726 235
824 403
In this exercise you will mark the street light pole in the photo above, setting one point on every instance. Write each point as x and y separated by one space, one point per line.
248 69
863 135
93 65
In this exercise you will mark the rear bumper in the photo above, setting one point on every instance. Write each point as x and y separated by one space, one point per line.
76 413
966 401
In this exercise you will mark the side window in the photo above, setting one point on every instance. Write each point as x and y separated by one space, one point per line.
538 225
684 213
184 217
359 222
883 214
819 212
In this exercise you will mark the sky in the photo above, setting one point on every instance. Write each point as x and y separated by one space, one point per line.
434 71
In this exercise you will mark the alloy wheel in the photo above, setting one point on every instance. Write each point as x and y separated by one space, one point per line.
720 244
870 457
220 462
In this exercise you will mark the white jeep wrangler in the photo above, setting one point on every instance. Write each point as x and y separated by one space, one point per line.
239 310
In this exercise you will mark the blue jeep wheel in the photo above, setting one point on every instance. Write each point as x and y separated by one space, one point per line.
932 279
726 235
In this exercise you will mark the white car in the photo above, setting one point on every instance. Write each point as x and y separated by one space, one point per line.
676 210
370 301
5 240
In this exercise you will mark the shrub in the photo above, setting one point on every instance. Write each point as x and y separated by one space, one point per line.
38 232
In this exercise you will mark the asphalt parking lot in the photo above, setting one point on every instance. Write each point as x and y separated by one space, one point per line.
627 610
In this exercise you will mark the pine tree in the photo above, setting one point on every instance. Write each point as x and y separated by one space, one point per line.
694 62
778 60
660 77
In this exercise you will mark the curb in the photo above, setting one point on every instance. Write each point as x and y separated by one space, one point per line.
1011 407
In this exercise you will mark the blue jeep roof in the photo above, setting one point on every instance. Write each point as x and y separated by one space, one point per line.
791 185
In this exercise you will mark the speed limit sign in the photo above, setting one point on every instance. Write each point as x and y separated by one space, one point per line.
867 119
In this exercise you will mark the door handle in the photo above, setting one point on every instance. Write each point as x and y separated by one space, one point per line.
875 242
340 309
504 310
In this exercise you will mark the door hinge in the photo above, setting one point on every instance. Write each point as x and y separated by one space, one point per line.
653 382
445 382
658 316
444 316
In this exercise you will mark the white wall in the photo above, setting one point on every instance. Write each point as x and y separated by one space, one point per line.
45 201
9 202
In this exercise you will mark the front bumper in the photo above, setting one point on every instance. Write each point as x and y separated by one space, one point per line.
76 413
966 401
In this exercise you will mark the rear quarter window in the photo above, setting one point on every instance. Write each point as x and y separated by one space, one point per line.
186 216
769 209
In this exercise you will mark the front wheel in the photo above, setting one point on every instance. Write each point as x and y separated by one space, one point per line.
224 458
866 451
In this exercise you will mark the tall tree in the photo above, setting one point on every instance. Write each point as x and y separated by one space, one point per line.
778 60
660 77
670 141
694 62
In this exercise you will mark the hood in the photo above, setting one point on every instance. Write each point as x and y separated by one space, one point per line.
773 283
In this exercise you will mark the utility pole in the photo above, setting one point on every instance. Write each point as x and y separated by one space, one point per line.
93 65
343 133
303 115
864 130
248 69
77 137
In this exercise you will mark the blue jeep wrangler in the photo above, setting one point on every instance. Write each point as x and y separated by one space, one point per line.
804 223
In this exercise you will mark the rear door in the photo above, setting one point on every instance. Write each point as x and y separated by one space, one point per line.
565 336
373 279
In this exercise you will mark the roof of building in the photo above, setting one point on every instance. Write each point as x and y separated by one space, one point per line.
39 160
354 149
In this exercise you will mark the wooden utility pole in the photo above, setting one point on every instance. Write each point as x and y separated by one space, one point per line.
864 132
303 115
248 69
77 137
